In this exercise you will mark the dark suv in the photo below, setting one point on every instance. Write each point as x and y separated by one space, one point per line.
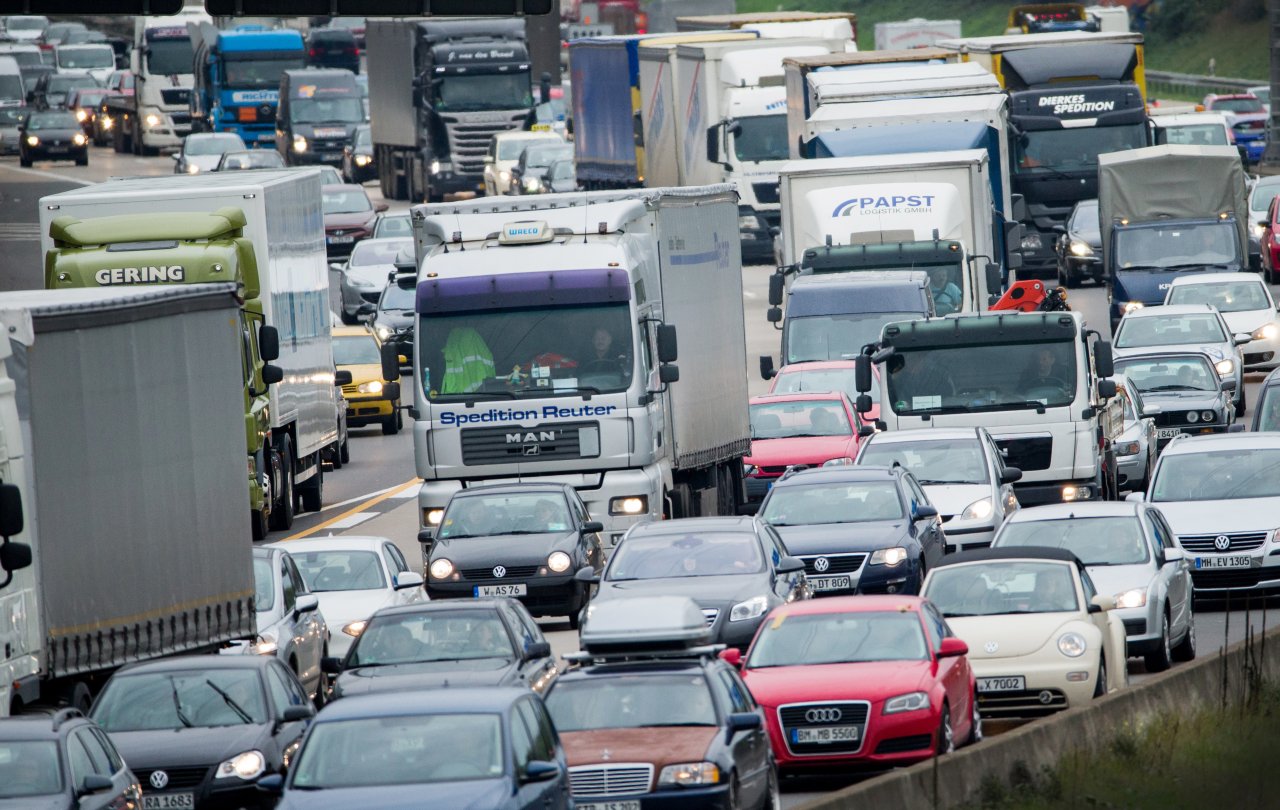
333 48
63 761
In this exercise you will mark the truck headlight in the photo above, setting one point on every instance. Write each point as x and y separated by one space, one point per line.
978 510
889 556
363 160
32 140
434 167
107 121
504 176
1079 248
152 121
629 505
1133 306
299 143
690 773
748 222
1071 492
753 608
371 387
441 569
906 703
559 562
248 765
433 516
1267 331
82 115
79 139
1031 241
1134 598
1258 230
1225 367
1072 645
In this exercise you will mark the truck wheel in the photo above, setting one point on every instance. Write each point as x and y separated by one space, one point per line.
79 697
312 492
82 161
258 522
282 509
135 138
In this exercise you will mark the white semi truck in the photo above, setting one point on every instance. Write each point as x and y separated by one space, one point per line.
285 224
547 347
121 500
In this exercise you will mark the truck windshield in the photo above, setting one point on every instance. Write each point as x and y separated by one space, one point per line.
169 57
763 137
549 351
1170 247
1002 376
326 111
260 73
835 337
1065 150
484 91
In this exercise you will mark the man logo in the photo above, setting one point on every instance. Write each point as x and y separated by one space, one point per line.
991 647
823 715
499 571
821 564
1222 542
159 780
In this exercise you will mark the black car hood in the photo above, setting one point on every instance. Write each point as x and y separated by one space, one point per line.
503 549
473 794
431 675
833 538
394 318
710 592
185 747
55 134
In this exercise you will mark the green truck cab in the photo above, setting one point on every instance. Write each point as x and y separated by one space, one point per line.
185 248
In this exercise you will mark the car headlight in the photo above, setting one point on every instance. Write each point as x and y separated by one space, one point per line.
371 387
1133 306
362 283
906 703
504 176
1079 248
1193 417
248 765
843 461
1207 416
1128 448
1225 367
889 556
978 510
749 469
79 139
1258 230
690 773
299 143
355 628
32 140
264 644
441 569
1267 331
363 160
1135 598
1072 645
193 168
383 331
559 562
107 121
82 115
753 608
532 184
434 516
629 505
434 167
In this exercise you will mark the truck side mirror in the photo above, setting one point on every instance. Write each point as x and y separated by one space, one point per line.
862 374
1103 362
668 350
994 281
1019 205
669 373
1106 389
777 286
864 403
390 363
268 343
13 557
10 510
774 315
391 391
767 372
713 144
271 374
342 377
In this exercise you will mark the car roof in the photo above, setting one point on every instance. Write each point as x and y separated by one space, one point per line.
41 726
637 666
444 606
526 486
1171 309
333 542
798 396
1010 553
816 365
931 435
487 700
1213 278
695 525
1266 440
201 663
1064 511
845 473
851 604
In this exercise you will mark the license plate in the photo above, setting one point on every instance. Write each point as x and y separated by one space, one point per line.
1168 433
829 734
1231 561
340 240
1012 683
830 583
630 804
167 801
501 590
58 150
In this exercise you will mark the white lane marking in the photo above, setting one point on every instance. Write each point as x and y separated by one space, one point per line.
749 294
51 175
351 520
366 496
404 495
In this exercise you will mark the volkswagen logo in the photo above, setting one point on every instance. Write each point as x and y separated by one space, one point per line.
159 780
821 564
823 715
991 647
499 571
1222 542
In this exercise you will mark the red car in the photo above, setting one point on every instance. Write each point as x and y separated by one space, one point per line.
1270 243
870 681
824 375
348 217
810 428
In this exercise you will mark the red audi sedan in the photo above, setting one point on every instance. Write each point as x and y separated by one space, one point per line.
860 681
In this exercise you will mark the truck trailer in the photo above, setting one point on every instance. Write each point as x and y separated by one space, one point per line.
115 408
916 32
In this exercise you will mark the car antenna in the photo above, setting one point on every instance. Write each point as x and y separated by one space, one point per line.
462 248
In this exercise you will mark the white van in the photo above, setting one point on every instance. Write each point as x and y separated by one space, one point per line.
12 92
1197 129
88 59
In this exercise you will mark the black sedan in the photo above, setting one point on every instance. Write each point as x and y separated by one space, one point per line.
858 529
1079 248
736 568
1182 391
395 314
199 731
486 642
357 157
522 540
52 135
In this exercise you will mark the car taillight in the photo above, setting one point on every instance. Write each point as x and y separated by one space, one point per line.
313 52
353 51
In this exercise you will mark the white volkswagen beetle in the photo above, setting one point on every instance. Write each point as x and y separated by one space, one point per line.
1041 638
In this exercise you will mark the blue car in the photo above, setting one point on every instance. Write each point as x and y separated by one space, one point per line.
491 748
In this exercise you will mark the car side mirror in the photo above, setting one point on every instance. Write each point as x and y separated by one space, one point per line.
268 343
1010 475
177 157
366 311
540 771
1241 339
342 377
380 207
732 656
307 603
390 363
271 783
742 721
587 575
1173 555
537 649
952 647
338 266
592 526
866 431
1101 603
767 371
924 510
1136 497
95 783
330 665
296 714
1227 385
790 565
408 579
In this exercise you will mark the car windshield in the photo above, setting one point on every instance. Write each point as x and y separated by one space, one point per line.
345 201
1227 296
326 110
488 515
1096 541
799 418
1264 192
264 587
87 98
815 379
541 156
943 461
510 148
398 298
86 58
260 73
964 379
340 570
1218 475
484 91
364 136
26 23
52 120
252 159
1194 134
29 768
356 350
377 251
1268 408
202 698
65 84
631 701
543 351
852 502
1084 222
432 636
562 170
1073 150
835 337
1164 247
403 750
1173 330
1239 105
12 116
212 144
839 638
1171 373
391 225
169 56
763 137
665 556
998 588
24 58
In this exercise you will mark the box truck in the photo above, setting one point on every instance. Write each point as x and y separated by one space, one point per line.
914 33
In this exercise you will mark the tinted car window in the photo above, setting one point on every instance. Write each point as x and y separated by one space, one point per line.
30 768
80 761
97 754
544 746
632 701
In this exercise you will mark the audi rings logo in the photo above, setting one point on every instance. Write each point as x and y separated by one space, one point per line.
159 780
1222 542
821 564
499 571
823 715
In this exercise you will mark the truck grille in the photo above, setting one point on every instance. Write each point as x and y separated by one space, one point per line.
1239 541
179 778
181 119
513 445
819 715
836 564
512 572
177 96
469 141
1022 703
1027 454
766 193
610 780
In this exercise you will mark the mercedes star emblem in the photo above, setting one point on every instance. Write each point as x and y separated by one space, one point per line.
159 780
606 755
1222 542
991 647
499 571
831 715
821 564
1046 697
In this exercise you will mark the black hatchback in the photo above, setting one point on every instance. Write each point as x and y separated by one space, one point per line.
59 762
52 135
333 48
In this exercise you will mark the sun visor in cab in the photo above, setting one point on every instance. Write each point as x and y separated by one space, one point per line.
517 290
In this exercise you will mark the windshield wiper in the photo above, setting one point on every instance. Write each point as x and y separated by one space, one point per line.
235 707
1177 388
474 396
1201 265
177 704
1027 405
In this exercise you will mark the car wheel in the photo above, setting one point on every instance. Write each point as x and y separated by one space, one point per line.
24 161
1186 649
1101 688
1241 406
975 722
946 735
344 452
773 796
1161 658
734 793
1070 280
